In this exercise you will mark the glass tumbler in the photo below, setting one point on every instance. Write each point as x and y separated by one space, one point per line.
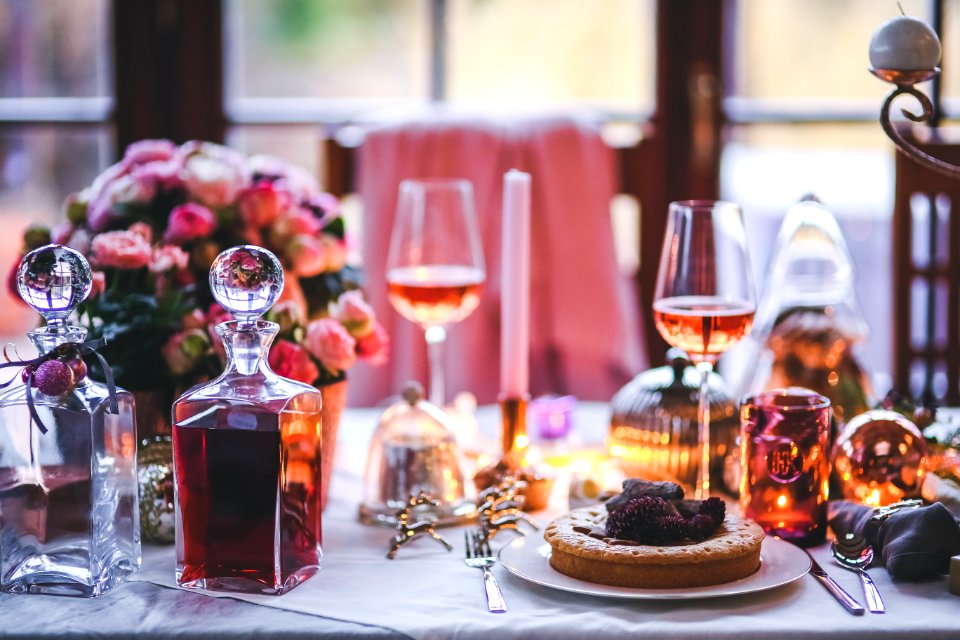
786 469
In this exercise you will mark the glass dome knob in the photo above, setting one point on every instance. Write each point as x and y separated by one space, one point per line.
246 281
54 280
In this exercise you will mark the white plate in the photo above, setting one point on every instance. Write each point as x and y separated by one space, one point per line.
780 563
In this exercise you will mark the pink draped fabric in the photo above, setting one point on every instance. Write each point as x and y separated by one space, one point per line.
585 338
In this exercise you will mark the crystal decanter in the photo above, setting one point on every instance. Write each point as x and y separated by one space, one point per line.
69 522
246 449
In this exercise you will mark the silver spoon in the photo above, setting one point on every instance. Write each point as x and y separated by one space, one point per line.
852 552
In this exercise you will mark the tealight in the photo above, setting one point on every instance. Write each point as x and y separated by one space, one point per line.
904 43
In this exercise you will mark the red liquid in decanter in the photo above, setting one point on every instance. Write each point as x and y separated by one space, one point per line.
248 496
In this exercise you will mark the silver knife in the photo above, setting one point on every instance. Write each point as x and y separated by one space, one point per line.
849 602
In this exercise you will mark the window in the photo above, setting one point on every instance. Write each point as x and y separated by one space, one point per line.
55 105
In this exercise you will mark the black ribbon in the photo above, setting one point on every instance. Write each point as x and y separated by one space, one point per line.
60 351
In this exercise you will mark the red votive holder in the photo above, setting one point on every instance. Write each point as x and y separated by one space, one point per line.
784 456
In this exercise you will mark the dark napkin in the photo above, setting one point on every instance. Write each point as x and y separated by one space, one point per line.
913 544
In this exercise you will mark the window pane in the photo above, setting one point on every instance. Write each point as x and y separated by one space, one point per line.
529 51
767 168
811 49
39 168
327 48
54 48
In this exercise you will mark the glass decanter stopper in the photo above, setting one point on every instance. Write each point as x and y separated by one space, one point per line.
69 519
246 450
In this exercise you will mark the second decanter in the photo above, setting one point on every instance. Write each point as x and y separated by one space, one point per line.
247 451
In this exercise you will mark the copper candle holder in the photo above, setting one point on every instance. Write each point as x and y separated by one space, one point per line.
513 417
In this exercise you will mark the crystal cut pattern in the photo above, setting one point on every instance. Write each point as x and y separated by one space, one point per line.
247 451
69 520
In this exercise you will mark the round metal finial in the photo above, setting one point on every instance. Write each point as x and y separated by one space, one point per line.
246 281
54 280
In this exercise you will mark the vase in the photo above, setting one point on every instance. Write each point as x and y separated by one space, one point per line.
334 402
155 465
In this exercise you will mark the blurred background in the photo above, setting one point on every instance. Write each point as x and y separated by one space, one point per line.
755 101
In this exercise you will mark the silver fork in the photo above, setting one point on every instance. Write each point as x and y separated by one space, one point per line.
480 556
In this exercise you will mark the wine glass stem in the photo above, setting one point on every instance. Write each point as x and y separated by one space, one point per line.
702 491
436 336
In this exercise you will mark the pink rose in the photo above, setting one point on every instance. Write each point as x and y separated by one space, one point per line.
212 173
331 344
291 361
307 256
183 350
143 230
196 319
261 204
288 314
162 174
335 251
168 258
374 347
61 232
354 313
120 250
145 151
124 189
79 240
296 222
189 222
327 205
99 285
293 179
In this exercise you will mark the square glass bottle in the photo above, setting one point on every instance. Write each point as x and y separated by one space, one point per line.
246 450
69 517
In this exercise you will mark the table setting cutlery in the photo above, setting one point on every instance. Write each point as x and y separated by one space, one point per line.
480 556
853 552
849 602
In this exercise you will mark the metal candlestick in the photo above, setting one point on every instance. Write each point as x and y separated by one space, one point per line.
905 81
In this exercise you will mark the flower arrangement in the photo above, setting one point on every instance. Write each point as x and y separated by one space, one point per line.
153 223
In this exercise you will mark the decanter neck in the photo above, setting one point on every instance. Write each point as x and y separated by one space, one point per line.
46 339
247 345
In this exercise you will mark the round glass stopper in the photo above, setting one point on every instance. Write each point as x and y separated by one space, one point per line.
54 280
246 281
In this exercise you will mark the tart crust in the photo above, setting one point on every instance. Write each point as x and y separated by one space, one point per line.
731 553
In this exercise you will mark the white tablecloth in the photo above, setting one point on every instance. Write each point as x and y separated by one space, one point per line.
429 593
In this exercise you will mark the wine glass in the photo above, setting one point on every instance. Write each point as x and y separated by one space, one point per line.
435 270
704 300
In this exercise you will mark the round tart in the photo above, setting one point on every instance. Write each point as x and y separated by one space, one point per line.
731 553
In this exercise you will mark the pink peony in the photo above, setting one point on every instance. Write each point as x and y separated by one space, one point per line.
331 344
168 258
189 222
196 319
120 250
212 173
262 203
145 151
354 313
293 179
99 283
375 346
291 361
307 256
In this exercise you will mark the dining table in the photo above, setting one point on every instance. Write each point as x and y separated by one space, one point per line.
428 592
